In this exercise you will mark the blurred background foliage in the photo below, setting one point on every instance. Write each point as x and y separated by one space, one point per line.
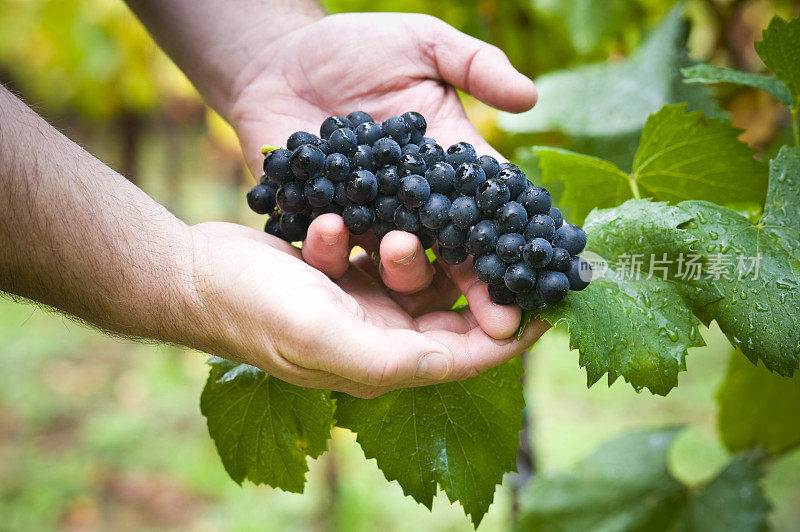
98 433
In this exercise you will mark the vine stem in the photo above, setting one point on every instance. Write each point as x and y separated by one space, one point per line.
634 187
796 124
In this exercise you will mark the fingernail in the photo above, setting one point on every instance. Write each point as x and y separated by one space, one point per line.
329 239
407 259
433 366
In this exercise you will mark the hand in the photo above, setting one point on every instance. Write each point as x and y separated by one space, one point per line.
259 303
384 64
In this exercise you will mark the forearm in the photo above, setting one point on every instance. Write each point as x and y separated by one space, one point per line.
78 236
217 42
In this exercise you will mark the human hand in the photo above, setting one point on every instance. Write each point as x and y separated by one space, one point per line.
384 64
259 303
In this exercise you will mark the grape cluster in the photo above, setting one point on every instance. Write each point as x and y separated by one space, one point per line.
385 176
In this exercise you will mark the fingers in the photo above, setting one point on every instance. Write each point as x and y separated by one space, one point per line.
497 321
327 245
478 68
404 266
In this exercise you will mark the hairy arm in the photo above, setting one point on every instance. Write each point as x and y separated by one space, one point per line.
79 237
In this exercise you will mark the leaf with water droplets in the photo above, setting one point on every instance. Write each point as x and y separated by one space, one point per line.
703 73
782 208
759 280
758 408
264 429
637 328
462 436
623 485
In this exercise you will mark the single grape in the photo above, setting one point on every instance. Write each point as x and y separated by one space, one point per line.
579 273
490 166
418 125
482 238
261 199
435 212
468 178
453 256
273 226
510 218
451 236
509 247
514 178
411 163
361 158
489 268
414 191
359 117
294 227
276 166
324 147
386 151
367 133
440 176
558 218
337 167
500 295
570 237
361 187
307 162
426 140
397 128
385 205
536 200
552 286
540 226
409 148
319 192
560 260
388 180
358 218
298 138
464 212
537 253
520 278
331 124
343 141
460 153
491 195
291 197
530 300
407 219
431 154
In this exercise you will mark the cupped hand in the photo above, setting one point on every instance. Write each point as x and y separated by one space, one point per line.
261 304
384 64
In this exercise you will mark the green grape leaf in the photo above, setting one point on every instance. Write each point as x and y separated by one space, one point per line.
613 99
623 485
626 323
264 429
733 500
462 436
780 51
681 156
589 182
758 408
704 73
684 156
782 208
759 281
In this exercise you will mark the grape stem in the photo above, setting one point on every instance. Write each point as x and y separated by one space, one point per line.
266 148
634 186
796 124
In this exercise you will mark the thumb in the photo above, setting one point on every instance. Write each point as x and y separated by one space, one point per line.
478 68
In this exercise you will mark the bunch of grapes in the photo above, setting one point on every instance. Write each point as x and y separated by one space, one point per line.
386 176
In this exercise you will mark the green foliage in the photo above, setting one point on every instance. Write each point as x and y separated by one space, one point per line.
615 98
639 328
780 51
264 429
703 73
758 408
462 436
680 156
733 500
782 210
623 485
